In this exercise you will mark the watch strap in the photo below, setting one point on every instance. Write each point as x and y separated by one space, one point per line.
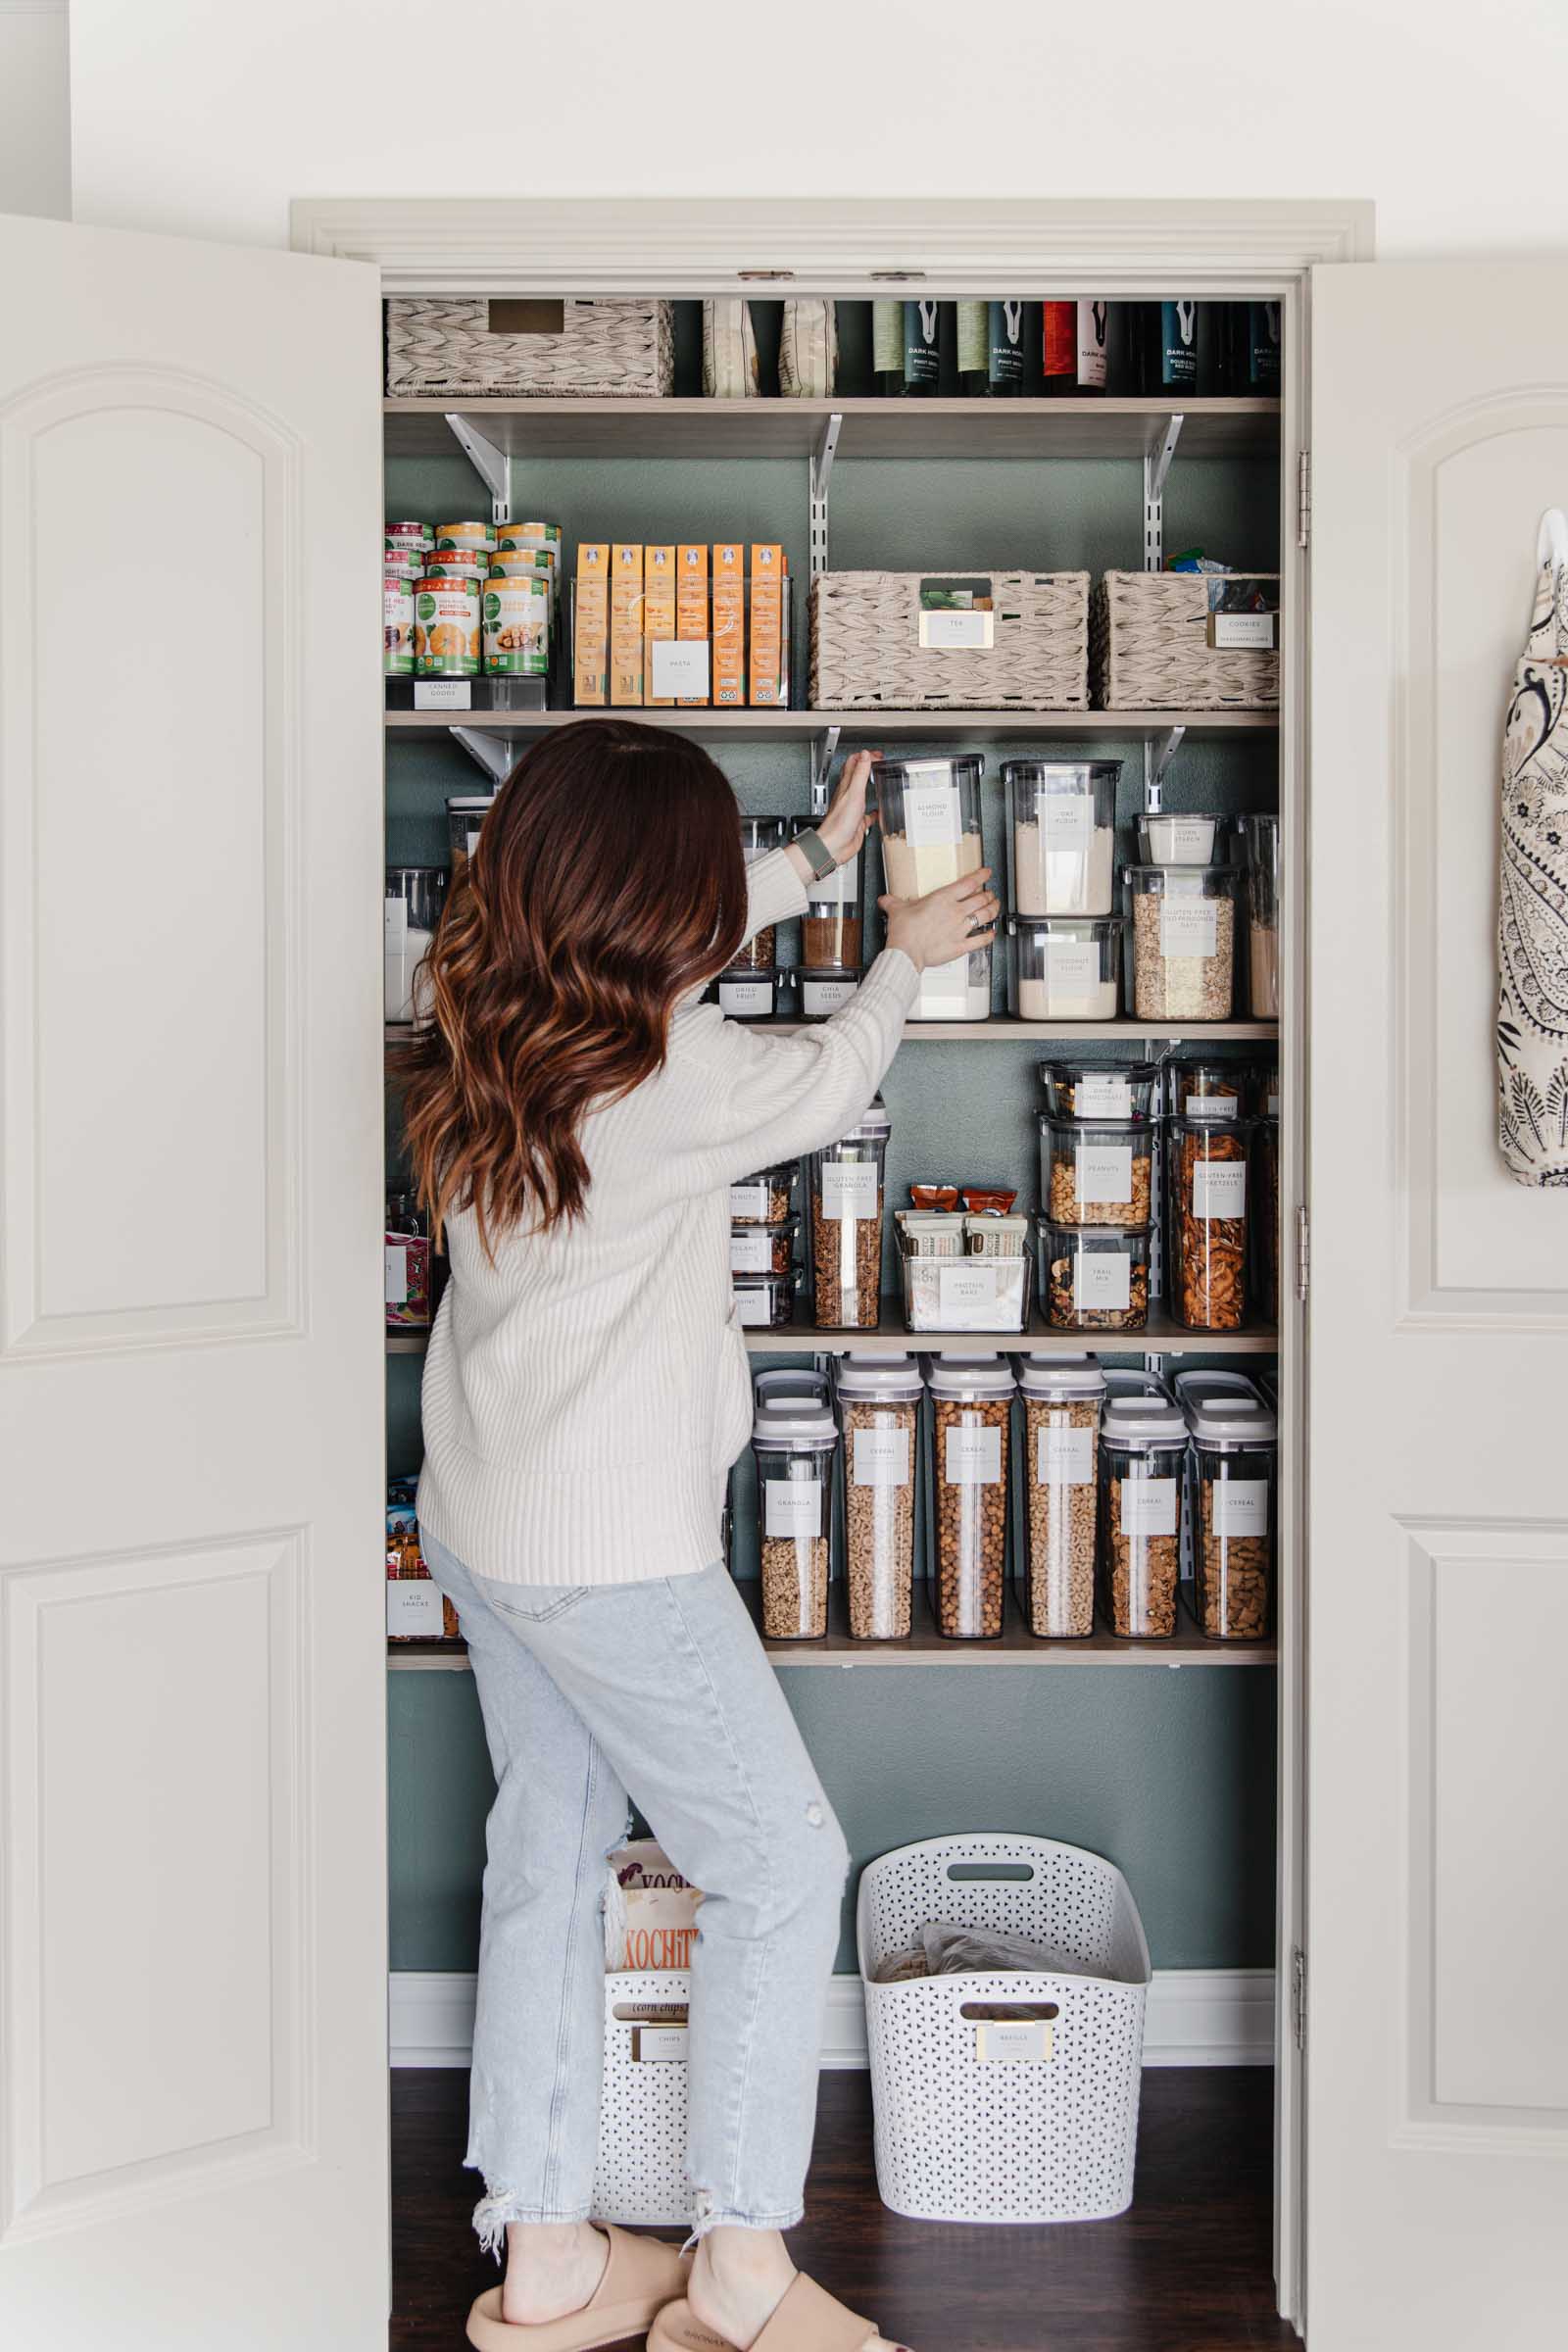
819 856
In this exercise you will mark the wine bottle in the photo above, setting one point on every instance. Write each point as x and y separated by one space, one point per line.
1257 373
887 346
922 350
1168 336
1006 348
974 343
1094 346
1075 348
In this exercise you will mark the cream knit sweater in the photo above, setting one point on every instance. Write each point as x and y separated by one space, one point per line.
586 1393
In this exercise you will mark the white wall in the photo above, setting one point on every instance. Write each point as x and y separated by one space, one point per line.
206 119
35 109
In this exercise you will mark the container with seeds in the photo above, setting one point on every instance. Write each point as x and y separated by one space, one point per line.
1231 1503
971 1409
1142 1452
845 1185
879 1399
1206 1218
1122 1091
767 1197
794 1439
1197 1088
822 993
1094 1277
1184 941
762 1249
760 837
1096 1172
1062 1399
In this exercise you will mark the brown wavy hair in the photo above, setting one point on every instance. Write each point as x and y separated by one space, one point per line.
607 881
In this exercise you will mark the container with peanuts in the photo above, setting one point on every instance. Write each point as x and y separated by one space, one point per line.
1231 1458
879 1404
1142 1460
971 1412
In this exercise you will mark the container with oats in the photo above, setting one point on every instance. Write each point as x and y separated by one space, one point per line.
1230 1503
1094 1277
846 1187
769 1198
1120 1091
879 1402
1207 1221
1097 1171
1061 1400
794 1439
971 1411
1143 1454
1183 920
1062 835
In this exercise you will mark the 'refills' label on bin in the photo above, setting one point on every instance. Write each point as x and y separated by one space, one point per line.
1240 1506
1149 1506
792 1506
1015 2040
1219 1189
848 1188
881 1457
973 1457
1066 1457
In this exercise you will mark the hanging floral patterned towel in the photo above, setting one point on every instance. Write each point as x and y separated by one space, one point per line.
1532 910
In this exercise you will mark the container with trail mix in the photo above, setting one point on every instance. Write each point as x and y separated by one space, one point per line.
1142 1455
1094 1277
1207 1221
1061 1400
879 1401
971 1411
1184 925
769 1198
794 1439
1097 1171
1231 1503
845 1181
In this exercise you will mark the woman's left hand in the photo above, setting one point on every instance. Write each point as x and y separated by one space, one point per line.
845 825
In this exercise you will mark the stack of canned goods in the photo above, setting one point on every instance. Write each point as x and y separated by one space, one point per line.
468 600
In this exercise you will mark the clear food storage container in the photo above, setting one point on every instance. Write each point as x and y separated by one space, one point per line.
971 1409
928 813
1263 1090
1061 1400
830 931
1143 1454
977 1277
759 836
768 1197
762 1249
1205 1224
1094 1277
960 990
1178 840
1206 1090
465 814
879 1404
1267 1225
1065 969
1260 856
824 993
747 993
1184 941
414 898
1234 1444
845 1181
1098 1090
1062 835
1097 1171
794 1439
763 1301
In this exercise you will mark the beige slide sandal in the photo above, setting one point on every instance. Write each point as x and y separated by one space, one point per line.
807 2320
641 2276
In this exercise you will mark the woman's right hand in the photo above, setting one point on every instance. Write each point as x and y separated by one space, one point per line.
945 923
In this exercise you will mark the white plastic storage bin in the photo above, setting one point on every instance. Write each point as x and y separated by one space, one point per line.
640 2171
1049 2135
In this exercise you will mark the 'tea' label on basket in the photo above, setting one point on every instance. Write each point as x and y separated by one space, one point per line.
1015 2041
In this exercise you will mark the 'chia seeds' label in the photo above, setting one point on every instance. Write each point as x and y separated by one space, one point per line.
397 626
517 628
446 629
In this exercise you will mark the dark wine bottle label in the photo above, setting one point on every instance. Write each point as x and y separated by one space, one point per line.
922 357
1263 347
1092 320
1005 357
1062 338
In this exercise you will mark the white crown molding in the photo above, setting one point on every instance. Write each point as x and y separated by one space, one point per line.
691 246
1196 2017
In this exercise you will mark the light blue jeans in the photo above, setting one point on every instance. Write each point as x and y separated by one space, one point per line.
661 1690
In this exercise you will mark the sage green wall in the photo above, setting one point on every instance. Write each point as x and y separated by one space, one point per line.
1170 1771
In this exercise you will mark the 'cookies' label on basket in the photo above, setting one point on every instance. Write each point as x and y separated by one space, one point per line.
881 1457
973 1457
1066 1456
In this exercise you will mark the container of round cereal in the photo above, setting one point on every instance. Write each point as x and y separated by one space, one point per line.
1061 1400
879 1401
517 628
446 629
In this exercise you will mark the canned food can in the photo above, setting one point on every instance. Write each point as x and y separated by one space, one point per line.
397 626
478 536
525 534
407 567
446 629
409 530
452 563
517 628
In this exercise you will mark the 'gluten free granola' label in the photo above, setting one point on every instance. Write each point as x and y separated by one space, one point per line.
848 1188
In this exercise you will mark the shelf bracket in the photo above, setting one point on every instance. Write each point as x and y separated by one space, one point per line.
1154 1364
821 471
1156 466
1155 766
497 754
825 749
492 465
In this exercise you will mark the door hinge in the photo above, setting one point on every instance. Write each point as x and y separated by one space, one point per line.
1304 498
1303 1253
1298 1997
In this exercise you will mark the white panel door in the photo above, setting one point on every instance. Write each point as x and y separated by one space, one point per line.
192 2086
1437 2041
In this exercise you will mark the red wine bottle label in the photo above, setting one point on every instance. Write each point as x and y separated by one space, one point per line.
1062 338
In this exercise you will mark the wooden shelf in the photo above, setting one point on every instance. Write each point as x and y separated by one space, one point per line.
893 1337
925 1647
406 1342
860 726
1004 1030
707 429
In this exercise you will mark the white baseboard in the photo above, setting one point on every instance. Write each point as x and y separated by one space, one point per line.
1197 2017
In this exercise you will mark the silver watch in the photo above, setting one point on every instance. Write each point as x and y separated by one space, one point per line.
819 856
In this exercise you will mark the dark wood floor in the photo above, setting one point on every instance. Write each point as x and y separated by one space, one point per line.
1186 2271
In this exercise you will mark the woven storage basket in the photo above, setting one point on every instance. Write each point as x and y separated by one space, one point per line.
866 652
966 2138
443 344
1151 649
640 2171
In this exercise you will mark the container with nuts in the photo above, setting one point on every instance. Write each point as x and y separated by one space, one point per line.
846 1189
1120 1091
1231 1503
1205 1221
762 1249
769 1198
1096 1172
971 1411
1062 1399
1143 1454
1183 940
879 1401
1094 1277
794 1439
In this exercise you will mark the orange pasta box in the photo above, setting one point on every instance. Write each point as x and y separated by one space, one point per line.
658 608
626 623
769 584
691 600
591 659
729 625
